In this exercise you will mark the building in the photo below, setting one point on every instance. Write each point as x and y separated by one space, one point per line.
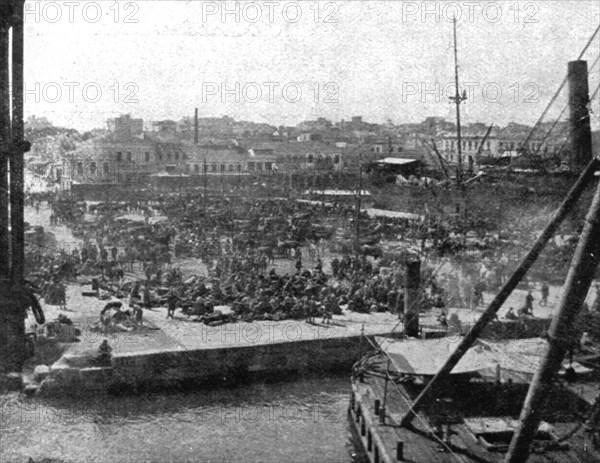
227 159
106 159
125 127
474 144
165 128
304 137
297 156
386 145
320 125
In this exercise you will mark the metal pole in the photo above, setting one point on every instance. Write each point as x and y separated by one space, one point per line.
17 195
490 313
12 147
358 206
322 190
385 389
457 100
205 167
561 333
4 141
412 296
440 158
360 345
195 126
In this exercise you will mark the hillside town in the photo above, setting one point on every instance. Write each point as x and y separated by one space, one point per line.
216 146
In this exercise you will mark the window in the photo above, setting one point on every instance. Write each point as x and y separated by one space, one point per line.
230 167
168 156
119 156
105 168
310 158
268 166
251 166
80 168
93 169
147 156
177 156
222 167
129 156
238 167
336 159
196 167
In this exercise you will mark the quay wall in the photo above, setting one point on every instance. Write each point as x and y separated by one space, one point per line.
225 366
207 367
323 355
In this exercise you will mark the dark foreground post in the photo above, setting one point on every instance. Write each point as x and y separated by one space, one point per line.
13 296
412 295
580 133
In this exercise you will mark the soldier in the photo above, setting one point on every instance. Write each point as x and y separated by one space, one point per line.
545 292
146 299
335 266
104 353
172 300
138 313
529 304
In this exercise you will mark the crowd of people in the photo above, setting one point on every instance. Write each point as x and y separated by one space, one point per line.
237 239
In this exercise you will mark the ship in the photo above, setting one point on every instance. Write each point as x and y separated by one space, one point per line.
473 415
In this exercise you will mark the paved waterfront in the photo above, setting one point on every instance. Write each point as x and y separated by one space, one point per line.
182 333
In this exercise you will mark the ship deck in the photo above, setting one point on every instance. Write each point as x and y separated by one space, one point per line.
480 415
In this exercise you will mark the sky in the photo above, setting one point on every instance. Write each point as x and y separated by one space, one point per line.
282 62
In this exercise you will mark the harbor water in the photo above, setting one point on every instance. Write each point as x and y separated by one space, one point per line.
301 421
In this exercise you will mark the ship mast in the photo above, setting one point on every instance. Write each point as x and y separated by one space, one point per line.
458 99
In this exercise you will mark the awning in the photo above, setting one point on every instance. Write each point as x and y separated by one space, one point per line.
393 214
396 161
426 357
337 192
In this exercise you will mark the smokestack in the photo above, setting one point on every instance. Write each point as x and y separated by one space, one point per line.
196 126
412 296
579 121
